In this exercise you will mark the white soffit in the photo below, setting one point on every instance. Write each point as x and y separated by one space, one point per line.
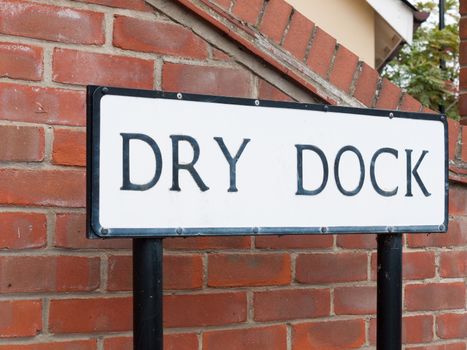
397 15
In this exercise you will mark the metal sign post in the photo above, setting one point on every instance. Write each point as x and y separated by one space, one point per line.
389 292
173 165
147 294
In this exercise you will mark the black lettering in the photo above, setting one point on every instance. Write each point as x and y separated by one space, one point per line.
414 173
127 184
232 161
336 170
300 190
378 189
190 167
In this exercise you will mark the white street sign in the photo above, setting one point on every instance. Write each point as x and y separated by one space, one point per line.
182 165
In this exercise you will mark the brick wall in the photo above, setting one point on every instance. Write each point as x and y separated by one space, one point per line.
59 291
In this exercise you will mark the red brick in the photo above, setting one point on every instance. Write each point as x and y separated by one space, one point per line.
331 268
343 69
219 55
234 270
389 95
434 296
79 67
22 143
165 38
464 144
90 315
418 265
207 80
451 326
331 335
20 318
294 242
409 104
225 4
275 19
355 300
42 105
415 329
70 232
322 50
69 147
267 91
463 52
118 343
463 78
365 88
248 10
453 264
456 235
462 7
298 36
175 341
28 274
42 187
450 346
183 341
199 310
291 304
457 200
453 131
180 272
20 61
357 241
266 338
138 5
61 345
51 22
463 97
22 230
209 243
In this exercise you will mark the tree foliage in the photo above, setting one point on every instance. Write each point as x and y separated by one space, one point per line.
417 67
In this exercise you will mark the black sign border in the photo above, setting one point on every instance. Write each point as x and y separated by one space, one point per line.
95 230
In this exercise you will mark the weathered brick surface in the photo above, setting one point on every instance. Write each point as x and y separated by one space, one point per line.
26 274
325 268
42 105
171 39
20 318
229 270
19 61
42 187
322 51
292 304
53 23
80 67
343 69
22 230
298 36
206 80
329 335
273 337
90 315
22 143
61 291
69 147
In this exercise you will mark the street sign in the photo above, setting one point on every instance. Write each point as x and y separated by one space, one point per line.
168 164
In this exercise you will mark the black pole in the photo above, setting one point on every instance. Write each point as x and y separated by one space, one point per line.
441 26
147 294
389 293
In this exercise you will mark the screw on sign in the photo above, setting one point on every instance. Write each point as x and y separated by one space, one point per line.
165 164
